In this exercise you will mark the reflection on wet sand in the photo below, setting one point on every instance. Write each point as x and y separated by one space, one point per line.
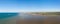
36 19
47 20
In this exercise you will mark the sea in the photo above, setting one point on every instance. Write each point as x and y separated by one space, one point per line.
8 18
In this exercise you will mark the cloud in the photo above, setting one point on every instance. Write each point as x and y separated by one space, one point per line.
14 10
43 10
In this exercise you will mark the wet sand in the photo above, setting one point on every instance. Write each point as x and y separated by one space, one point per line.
38 20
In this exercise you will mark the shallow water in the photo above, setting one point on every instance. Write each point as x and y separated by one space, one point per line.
8 18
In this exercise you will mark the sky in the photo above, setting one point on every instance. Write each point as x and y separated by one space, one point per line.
29 5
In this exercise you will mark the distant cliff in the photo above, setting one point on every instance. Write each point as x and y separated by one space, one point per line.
46 13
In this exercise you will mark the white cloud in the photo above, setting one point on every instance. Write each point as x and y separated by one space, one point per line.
43 10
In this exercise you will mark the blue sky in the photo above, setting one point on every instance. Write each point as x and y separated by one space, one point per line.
29 5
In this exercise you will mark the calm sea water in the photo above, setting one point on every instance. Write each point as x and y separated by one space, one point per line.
7 15
8 18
